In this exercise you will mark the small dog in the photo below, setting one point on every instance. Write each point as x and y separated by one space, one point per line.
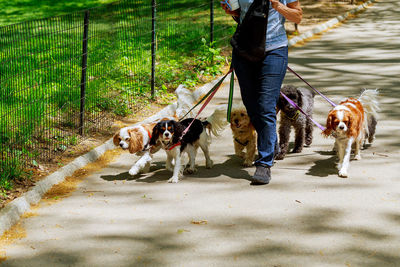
244 134
170 135
351 122
136 139
291 117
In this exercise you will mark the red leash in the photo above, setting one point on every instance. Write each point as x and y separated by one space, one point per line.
215 89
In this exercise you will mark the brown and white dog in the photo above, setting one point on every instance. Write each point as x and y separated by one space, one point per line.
136 140
350 123
244 134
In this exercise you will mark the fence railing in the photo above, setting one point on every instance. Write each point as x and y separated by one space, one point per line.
64 77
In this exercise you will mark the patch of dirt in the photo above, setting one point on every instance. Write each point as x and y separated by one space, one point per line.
314 12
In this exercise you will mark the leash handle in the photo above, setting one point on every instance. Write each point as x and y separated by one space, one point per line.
298 108
327 99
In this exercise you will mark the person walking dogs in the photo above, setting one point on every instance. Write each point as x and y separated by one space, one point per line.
260 82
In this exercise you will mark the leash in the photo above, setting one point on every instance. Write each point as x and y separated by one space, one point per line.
230 98
210 94
298 108
323 96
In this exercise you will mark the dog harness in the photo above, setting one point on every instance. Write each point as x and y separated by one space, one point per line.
295 116
172 147
243 144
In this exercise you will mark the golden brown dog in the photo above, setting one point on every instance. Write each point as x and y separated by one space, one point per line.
244 134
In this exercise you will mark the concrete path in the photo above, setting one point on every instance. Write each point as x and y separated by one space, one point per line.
307 216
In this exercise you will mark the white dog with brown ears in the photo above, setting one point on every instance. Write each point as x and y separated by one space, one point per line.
244 134
136 140
350 123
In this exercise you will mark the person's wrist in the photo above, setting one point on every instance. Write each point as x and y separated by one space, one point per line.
278 6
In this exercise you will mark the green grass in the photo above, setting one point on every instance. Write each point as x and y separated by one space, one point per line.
40 67
16 11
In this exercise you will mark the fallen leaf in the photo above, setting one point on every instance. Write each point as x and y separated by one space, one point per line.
180 231
298 201
199 222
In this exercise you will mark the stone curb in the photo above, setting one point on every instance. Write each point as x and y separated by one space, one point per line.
13 211
330 23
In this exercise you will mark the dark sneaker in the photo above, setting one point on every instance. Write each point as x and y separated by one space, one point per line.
261 176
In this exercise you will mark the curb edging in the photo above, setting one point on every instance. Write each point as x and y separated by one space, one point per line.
329 24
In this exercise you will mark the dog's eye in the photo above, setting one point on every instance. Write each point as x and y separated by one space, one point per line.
127 138
169 128
242 114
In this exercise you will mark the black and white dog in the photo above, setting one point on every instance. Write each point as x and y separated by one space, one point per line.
169 134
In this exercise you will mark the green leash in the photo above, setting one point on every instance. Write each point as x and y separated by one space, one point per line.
230 99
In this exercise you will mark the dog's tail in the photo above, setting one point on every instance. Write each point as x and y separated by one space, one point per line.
369 100
217 121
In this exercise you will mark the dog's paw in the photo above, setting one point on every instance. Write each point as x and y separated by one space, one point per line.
190 170
343 174
247 163
133 171
297 149
357 157
280 156
173 179
209 164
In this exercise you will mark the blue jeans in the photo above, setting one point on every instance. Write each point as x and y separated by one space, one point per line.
260 85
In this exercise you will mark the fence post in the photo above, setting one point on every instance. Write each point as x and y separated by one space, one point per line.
84 67
153 45
211 21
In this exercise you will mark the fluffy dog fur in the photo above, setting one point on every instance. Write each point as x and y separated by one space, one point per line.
136 139
291 117
244 134
170 135
351 122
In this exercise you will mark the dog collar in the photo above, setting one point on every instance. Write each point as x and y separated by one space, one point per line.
243 144
295 116
177 144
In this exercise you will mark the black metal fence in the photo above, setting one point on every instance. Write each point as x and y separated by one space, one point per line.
62 77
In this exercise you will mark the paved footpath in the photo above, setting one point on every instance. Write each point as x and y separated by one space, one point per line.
307 216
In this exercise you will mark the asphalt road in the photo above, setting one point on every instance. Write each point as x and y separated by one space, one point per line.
307 216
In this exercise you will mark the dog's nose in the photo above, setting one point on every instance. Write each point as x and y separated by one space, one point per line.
166 134
236 121
341 127
121 144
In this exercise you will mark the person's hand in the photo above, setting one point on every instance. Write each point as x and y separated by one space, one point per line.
275 4
234 13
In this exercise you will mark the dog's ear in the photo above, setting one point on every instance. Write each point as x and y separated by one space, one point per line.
329 126
116 139
299 98
135 141
351 129
155 134
178 130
